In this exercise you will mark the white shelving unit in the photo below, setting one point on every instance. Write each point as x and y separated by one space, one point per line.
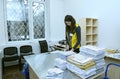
89 31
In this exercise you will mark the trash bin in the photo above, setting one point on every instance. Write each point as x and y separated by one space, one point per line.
25 71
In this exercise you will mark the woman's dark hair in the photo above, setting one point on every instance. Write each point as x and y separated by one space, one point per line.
73 22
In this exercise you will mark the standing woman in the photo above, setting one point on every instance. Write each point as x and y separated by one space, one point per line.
73 34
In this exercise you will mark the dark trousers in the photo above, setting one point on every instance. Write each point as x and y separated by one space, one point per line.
75 50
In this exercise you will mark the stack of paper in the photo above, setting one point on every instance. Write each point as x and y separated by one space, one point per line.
96 53
92 51
100 63
64 54
54 73
60 63
81 61
81 65
80 72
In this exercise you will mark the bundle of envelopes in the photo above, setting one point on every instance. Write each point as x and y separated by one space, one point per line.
96 53
81 65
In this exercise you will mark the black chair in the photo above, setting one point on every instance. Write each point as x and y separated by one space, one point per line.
10 54
43 46
24 51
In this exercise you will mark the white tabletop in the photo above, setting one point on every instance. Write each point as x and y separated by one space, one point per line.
113 56
40 63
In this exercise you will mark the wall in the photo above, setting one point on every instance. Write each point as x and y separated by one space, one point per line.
107 13
2 31
47 19
57 27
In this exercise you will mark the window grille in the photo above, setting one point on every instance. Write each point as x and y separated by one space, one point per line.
18 22
39 20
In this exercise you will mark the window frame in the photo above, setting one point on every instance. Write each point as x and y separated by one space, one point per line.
30 23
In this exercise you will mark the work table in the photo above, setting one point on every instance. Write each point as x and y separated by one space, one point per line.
40 63
114 56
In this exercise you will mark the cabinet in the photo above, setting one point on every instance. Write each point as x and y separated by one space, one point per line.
89 31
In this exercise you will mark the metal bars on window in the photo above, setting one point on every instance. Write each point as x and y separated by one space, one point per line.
39 20
18 21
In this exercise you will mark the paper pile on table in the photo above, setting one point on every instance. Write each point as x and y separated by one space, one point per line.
60 63
96 53
64 54
54 73
81 65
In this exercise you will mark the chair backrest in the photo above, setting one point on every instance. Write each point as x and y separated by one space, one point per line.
43 46
26 49
10 51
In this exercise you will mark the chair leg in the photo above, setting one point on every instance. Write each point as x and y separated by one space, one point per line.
2 66
20 65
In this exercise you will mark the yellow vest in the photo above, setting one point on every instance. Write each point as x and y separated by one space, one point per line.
74 39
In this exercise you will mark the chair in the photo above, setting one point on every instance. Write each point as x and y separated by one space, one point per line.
10 54
24 51
107 69
43 46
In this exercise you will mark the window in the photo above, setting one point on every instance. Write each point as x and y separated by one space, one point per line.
18 16
38 20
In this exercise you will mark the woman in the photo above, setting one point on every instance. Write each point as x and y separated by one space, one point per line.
73 34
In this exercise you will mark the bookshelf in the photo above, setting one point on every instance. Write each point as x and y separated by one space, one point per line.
89 31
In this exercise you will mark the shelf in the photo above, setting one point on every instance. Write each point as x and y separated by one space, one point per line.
88 21
94 30
88 38
88 34
95 22
94 34
94 43
94 37
88 30
94 26
88 26
90 43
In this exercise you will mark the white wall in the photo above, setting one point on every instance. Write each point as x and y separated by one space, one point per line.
57 27
47 19
2 31
106 11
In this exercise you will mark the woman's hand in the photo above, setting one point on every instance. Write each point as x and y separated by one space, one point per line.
72 50
67 48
